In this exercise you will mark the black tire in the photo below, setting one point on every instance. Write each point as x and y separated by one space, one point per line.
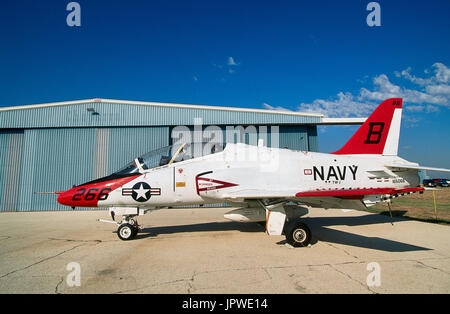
298 234
126 232
135 232
133 223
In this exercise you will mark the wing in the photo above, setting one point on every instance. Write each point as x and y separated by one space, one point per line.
357 199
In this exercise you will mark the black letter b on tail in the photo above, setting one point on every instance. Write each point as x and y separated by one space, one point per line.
374 135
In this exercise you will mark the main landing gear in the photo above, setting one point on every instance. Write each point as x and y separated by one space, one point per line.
297 233
283 218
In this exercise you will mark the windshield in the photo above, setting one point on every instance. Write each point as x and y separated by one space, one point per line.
170 154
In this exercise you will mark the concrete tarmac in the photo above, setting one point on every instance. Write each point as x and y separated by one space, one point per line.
198 251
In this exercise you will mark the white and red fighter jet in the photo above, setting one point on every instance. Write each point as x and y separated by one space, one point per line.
260 180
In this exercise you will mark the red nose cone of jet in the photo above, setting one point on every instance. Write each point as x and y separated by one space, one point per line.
91 193
82 196
64 197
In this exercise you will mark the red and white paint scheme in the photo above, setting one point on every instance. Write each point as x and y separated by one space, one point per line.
270 185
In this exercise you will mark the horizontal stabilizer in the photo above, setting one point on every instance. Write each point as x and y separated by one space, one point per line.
417 167
357 193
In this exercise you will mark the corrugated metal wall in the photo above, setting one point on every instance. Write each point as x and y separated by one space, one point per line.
112 114
313 143
12 169
57 159
129 143
101 152
4 136
54 160
10 160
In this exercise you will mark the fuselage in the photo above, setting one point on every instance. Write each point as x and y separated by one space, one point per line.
240 169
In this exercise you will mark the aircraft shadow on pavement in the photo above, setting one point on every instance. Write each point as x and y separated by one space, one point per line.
201 227
318 225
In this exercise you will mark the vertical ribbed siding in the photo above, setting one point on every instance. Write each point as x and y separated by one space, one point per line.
54 160
312 139
101 153
294 137
125 144
3 152
11 173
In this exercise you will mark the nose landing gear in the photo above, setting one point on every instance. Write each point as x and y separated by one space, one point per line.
128 229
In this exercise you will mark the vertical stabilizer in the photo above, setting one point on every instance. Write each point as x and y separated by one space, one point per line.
380 133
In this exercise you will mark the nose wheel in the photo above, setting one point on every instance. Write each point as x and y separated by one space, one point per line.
128 230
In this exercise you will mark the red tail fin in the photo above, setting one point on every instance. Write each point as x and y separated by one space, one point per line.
379 134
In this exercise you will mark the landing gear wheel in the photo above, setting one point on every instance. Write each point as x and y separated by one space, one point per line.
298 234
126 232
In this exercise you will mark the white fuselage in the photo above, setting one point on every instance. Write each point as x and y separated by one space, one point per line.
260 172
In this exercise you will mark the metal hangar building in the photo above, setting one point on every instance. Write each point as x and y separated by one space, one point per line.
51 147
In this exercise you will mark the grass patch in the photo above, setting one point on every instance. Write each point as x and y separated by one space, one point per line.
419 207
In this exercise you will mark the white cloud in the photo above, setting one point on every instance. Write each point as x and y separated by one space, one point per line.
431 93
421 108
442 72
278 108
384 89
417 80
431 108
231 61
441 89
441 75
346 105
229 67
415 108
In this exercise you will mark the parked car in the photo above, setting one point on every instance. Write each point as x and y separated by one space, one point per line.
429 182
442 182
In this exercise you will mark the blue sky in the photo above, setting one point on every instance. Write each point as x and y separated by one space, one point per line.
300 55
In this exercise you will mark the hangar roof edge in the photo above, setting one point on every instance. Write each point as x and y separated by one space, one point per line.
143 103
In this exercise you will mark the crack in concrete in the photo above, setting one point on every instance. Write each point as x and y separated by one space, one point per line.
57 286
191 283
149 286
341 249
73 240
41 261
192 289
353 279
2 238
428 266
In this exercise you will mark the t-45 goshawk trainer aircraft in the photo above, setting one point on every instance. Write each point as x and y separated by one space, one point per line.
260 181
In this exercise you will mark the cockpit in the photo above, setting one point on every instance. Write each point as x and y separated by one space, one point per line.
170 154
